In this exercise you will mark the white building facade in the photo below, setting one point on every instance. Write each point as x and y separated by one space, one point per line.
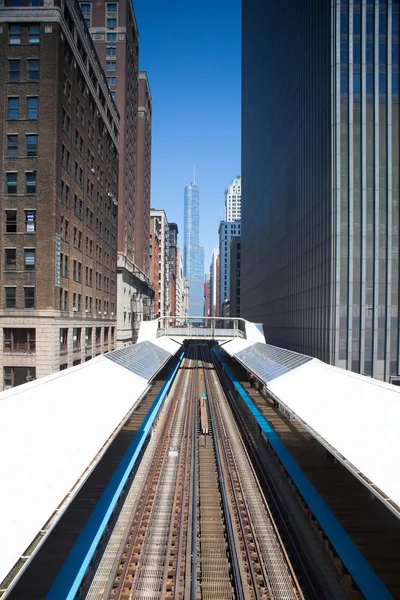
233 200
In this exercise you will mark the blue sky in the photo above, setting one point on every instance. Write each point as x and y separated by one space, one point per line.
191 52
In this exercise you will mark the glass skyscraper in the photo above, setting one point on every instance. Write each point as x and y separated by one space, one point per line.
320 164
193 254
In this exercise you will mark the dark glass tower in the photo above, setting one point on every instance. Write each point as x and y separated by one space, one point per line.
193 254
320 162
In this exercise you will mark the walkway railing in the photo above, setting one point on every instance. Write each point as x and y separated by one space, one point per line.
202 327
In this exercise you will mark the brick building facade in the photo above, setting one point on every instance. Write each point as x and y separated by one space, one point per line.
114 32
59 130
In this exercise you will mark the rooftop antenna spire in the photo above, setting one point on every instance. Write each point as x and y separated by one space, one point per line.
194 174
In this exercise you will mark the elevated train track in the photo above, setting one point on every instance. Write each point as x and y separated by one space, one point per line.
199 518
201 527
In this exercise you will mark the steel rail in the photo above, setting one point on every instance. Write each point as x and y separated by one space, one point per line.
312 588
233 484
243 456
159 455
193 587
225 503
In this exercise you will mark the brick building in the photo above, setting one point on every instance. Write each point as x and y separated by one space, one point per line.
115 36
143 176
59 130
173 267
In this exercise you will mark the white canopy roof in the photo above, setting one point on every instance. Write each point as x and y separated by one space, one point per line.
53 431
357 418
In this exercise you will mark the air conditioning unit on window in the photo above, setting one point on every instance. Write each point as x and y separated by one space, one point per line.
75 309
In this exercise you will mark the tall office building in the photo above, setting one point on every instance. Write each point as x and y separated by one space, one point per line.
234 275
115 35
59 131
143 176
193 254
320 159
233 200
227 231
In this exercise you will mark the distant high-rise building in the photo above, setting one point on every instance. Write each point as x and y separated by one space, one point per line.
193 254
227 230
115 35
214 284
233 200
181 291
59 131
234 283
320 158
173 265
159 223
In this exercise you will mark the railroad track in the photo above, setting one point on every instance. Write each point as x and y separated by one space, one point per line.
201 527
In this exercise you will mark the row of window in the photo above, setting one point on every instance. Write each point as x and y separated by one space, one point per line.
10 297
23 341
77 303
11 222
14 70
88 333
32 108
10 259
29 34
12 183
111 13
30 146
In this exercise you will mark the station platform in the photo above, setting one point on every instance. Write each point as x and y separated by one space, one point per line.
340 430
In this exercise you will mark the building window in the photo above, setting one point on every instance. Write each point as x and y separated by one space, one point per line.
34 34
30 182
9 297
111 66
10 259
29 259
29 297
111 37
64 340
11 221
98 335
66 123
33 69
15 35
32 107
12 146
13 108
20 340
31 145
65 272
76 338
11 180
111 51
30 221
111 23
111 81
114 96
14 70
14 376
